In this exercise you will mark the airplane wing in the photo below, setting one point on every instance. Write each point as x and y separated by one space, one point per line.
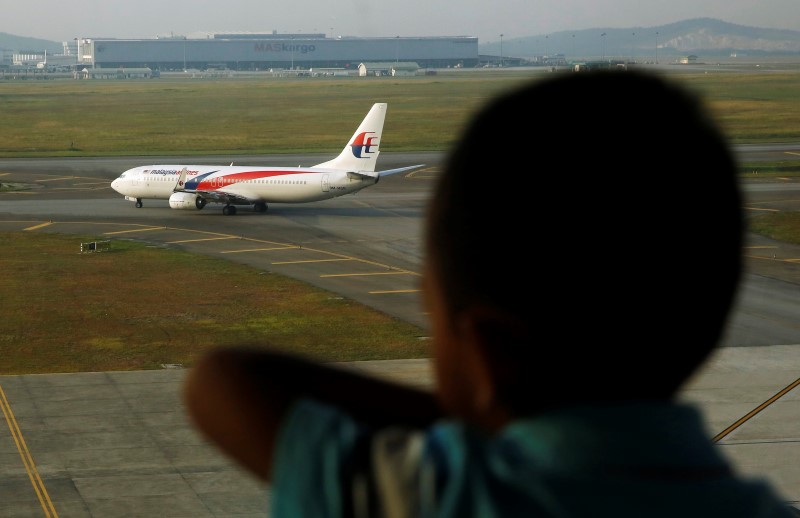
221 197
213 196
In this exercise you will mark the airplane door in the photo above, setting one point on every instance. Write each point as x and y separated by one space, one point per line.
325 185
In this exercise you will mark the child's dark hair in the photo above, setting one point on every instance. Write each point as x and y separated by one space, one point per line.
601 212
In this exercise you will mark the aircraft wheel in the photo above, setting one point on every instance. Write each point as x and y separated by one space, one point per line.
199 203
229 210
139 204
260 207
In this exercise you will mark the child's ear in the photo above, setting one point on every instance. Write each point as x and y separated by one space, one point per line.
491 339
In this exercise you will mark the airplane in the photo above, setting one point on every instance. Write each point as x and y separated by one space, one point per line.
191 187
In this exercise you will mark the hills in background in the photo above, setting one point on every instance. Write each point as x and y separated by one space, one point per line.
22 43
699 36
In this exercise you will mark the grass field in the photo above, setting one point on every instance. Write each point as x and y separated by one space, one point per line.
287 115
276 115
64 312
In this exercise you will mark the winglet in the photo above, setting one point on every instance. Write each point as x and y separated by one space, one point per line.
362 150
179 185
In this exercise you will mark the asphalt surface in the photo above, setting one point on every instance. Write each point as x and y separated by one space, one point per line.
117 444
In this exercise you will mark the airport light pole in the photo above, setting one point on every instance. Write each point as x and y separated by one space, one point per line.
573 47
603 44
656 47
633 37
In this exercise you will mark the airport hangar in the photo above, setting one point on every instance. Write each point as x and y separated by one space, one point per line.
275 51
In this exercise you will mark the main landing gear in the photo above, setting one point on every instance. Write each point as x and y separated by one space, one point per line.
230 210
138 203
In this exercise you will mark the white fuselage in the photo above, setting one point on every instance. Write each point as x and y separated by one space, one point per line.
265 184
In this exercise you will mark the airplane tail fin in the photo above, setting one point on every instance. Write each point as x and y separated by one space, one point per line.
361 152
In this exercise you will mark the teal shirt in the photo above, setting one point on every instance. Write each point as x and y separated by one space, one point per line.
638 460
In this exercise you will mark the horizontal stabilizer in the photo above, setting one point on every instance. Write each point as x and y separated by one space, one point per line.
401 170
378 174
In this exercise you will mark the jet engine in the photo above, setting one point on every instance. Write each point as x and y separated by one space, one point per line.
186 201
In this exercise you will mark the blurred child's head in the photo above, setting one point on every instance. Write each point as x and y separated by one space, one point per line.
583 245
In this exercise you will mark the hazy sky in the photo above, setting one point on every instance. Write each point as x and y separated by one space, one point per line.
486 19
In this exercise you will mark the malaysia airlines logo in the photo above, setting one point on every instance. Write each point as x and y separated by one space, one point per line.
363 143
